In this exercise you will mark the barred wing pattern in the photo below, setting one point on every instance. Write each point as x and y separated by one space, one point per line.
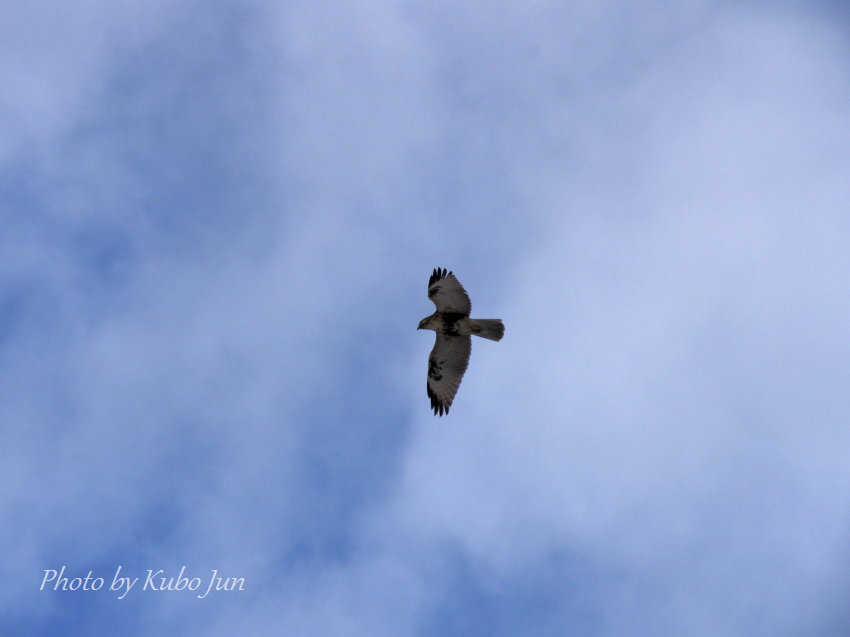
446 365
447 293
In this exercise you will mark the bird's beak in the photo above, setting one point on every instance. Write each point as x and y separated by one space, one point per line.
418 327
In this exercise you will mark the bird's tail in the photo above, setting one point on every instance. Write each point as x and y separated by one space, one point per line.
487 328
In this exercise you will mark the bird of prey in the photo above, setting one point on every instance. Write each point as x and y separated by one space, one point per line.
450 356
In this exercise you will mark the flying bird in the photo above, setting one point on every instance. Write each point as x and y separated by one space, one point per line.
450 356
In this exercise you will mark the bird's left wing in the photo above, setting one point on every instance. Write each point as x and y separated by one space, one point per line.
446 365
447 293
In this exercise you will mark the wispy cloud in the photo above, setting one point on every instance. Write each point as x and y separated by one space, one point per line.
220 223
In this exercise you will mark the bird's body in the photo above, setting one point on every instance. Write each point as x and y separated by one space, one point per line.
455 324
450 356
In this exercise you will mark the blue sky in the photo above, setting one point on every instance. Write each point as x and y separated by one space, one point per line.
217 222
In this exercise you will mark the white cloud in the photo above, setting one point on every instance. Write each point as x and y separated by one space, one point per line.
654 204
677 351
54 57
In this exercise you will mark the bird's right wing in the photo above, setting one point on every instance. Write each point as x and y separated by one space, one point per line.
446 365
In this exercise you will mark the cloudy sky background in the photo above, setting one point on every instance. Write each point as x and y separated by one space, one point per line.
217 222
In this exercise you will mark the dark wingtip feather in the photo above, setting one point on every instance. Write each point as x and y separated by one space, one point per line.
438 407
439 273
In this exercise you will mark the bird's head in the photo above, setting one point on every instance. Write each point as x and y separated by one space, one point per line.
424 324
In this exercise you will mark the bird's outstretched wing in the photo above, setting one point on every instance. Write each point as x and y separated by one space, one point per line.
447 293
446 365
